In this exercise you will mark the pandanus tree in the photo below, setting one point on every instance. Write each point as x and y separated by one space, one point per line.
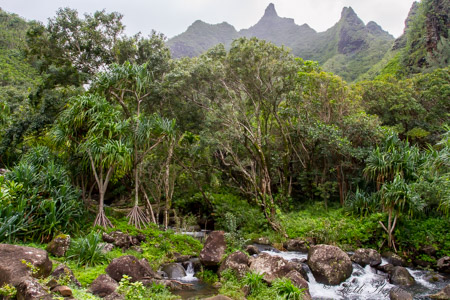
131 86
94 129
393 166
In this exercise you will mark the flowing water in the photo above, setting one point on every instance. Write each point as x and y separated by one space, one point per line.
364 283
199 288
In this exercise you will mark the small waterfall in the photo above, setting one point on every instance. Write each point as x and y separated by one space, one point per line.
189 273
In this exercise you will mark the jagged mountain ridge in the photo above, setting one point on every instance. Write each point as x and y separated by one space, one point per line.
349 48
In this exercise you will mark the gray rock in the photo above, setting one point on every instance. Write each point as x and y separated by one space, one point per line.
107 247
12 269
214 249
401 276
386 268
173 270
429 250
238 262
62 270
131 266
219 297
114 296
59 245
298 280
63 290
103 286
394 259
442 294
397 293
296 245
252 250
366 257
443 264
329 264
29 289
263 241
272 267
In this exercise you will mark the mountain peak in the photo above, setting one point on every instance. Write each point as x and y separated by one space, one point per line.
270 11
348 12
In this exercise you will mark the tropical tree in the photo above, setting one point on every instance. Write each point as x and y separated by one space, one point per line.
130 85
93 127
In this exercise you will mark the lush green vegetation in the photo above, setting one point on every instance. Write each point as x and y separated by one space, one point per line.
257 289
116 135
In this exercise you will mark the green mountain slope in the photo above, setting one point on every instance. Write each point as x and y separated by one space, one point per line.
17 76
349 48
201 36
424 45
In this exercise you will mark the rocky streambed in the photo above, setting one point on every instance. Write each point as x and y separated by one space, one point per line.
323 271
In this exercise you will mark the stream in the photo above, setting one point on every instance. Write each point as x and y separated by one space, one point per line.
364 283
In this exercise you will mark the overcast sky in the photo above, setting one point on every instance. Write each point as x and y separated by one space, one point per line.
172 17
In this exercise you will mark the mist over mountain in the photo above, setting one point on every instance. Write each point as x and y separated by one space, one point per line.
349 48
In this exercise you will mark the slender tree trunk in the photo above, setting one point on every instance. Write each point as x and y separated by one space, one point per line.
167 193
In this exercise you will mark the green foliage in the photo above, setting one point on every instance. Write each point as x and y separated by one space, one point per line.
87 250
207 276
412 234
137 291
258 289
254 282
131 290
39 199
8 291
287 290
334 226
233 236
247 218
160 245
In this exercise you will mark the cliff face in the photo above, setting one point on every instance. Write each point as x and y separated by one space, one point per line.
337 48
425 42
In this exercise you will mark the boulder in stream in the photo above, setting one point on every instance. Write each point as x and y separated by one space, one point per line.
272 267
397 293
296 245
366 257
401 276
173 270
394 259
298 280
443 294
214 249
329 264
443 264
252 250
237 262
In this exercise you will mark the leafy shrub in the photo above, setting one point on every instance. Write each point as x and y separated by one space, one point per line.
207 276
249 218
137 291
253 281
38 199
131 290
8 291
287 290
334 226
87 250
414 234
233 236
